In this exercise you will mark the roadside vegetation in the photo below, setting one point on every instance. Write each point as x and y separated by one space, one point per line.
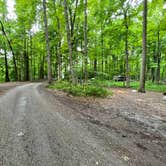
81 89
100 88
133 85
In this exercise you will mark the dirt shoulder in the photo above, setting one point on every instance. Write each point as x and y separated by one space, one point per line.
132 125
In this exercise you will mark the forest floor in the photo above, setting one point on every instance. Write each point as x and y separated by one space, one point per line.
48 127
131 124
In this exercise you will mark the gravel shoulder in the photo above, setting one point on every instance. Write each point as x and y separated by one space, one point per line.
131 125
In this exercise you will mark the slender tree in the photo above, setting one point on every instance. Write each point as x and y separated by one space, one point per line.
26 60
85 40
49 74
144 49
158 57
72 76
72 18
127 47
11 48
59 54
7 79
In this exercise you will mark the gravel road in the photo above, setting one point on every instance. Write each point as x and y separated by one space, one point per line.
36 131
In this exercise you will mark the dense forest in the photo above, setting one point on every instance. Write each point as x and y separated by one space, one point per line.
83 39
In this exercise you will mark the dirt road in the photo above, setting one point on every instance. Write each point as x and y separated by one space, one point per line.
34 133
41 128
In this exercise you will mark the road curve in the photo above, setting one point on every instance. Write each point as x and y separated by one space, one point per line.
33 132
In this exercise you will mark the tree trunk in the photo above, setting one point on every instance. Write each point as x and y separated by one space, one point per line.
59 52
158 58
7 79
72 23
144 50
26 61
11 48
34 68
95 67
59 61
41 71
85 41
72 76
127 51
102 50
49 74
95 61
31 52
153 68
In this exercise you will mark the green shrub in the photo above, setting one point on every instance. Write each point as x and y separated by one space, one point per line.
80 90
95 91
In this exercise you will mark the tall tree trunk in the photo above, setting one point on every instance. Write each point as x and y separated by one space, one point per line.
127 51
11 48
72 16
19 67
49 73
158 57
59 61
144 50
85 41
72 76
95 66
41 67
153 68
59 52
34 68
106 64
31 52
102 50
26 61
95 62
7 79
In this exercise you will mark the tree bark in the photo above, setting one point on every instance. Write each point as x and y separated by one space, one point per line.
59 52
11 48
31 52
102 49
85 41
153 68
72 76
95 66
41 67
72 23
26 61
49 73
7 79
34 68
144 50
158 58
127 51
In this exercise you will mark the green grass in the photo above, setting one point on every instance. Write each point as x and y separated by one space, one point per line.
134 85
80 90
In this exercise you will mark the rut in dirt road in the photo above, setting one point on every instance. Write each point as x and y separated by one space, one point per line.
34 133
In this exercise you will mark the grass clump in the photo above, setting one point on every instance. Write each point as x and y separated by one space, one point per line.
133 85
80 90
